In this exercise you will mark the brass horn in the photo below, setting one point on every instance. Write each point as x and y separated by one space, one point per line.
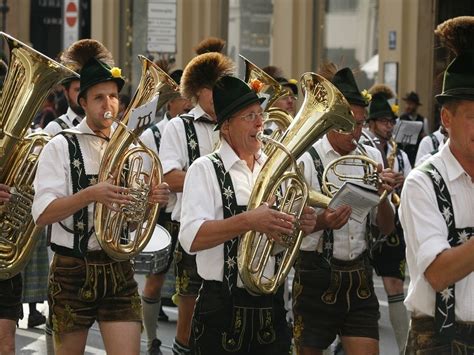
324 108
127 167
272 91
368 177
30 77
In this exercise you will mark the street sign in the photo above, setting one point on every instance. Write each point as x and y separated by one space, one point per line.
161 36
71 22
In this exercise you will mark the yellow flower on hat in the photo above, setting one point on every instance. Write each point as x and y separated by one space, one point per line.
395 109
116 72
366 96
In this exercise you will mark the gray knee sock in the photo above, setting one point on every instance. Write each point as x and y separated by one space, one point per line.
151 309
399 319
48 332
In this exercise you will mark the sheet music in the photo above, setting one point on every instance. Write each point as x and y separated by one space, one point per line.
361 199
406 132
142 116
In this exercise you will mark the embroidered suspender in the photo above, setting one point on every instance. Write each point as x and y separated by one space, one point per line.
80 181
229 203
191 138
61 122
435 142
445 300
156 136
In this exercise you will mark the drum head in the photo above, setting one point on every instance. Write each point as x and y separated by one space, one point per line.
159 240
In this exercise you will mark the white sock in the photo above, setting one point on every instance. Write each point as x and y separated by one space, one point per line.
399 319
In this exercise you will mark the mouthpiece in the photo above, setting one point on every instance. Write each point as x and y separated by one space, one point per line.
108 115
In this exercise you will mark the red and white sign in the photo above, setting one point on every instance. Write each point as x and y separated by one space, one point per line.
70 22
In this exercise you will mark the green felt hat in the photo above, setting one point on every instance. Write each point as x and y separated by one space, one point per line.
230 95
458 81
95 72
380 108
345 82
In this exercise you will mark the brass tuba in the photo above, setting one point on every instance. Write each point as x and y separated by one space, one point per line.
324 108
272 91
126 166
29 78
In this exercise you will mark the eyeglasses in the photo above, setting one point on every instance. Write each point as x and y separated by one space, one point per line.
252 116
387 121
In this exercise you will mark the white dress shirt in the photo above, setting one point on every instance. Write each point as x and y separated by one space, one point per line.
426 232
53 180
54 128
350 240
174 148
426 147
148 139
205 204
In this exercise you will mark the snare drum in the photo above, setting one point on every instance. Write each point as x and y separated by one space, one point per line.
154 257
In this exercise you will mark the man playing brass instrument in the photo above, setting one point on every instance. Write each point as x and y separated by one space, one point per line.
10 299
228 319
85 284
388 252
333 291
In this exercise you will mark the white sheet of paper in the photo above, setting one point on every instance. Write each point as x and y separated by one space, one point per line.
142 116
263 105
406 132
360 200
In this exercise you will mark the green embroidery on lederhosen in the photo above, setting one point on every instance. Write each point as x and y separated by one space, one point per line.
80 180
229 204
192 141
445 300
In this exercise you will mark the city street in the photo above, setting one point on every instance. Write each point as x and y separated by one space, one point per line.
32 341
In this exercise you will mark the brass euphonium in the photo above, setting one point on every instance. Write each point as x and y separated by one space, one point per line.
272 91
123 161
30 77
324 108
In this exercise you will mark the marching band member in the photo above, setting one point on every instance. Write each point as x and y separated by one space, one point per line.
75 112
430 145
85 284
227 319
151 297
437 214
388 252
185 139
333 292
11 309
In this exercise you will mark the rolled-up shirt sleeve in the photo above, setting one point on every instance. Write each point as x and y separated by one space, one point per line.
173 155
424 227
51 180
200 202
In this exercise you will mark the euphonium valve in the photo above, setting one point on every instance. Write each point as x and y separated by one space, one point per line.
324 108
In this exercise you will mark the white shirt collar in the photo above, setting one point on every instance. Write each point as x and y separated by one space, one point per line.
328 148
198 112
72 115
84 128
453 168
229 157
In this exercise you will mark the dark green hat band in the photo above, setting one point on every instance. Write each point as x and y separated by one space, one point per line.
95 72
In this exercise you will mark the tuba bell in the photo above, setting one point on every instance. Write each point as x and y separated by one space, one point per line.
272 91
30 77
324 108
126 166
